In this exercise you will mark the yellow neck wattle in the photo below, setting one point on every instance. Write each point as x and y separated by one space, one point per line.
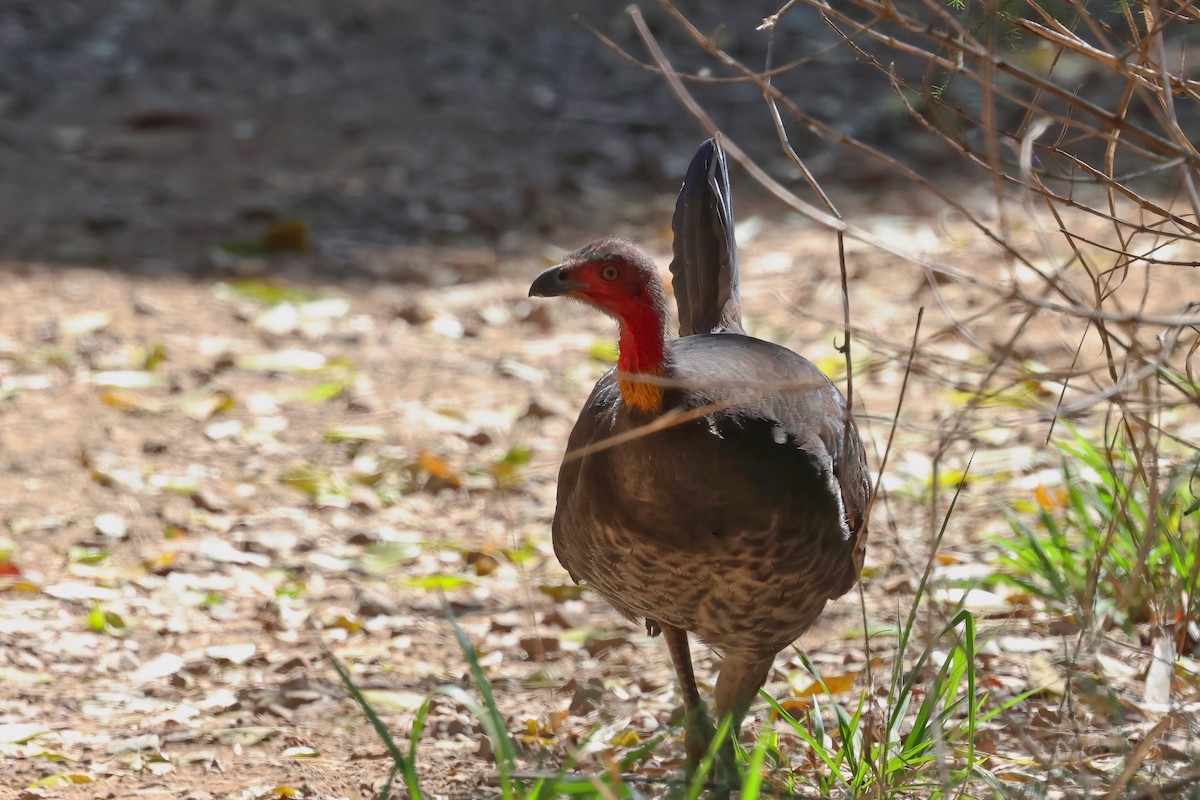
640 394
643 355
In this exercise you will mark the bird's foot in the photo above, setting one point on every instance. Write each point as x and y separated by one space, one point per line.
725 768
698 740
697 737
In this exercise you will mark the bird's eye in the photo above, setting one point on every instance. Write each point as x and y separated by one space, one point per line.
609 272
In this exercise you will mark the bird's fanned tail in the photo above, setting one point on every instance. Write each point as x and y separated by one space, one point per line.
704 268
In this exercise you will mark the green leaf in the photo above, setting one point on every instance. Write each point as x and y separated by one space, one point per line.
204 405
21 732
520 555
605 351
267 292
505 470
82 324
61 780
109 622
300 751
305 477
561 592
86 555
321 393
442 583
153 356
129 379
394 700
383 557
21 676
354 433
283 361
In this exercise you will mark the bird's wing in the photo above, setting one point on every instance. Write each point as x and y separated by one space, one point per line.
762 381
704 268
848 463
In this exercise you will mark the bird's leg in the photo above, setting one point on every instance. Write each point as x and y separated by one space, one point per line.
742 675
697 729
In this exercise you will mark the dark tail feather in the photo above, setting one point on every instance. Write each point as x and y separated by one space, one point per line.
704 269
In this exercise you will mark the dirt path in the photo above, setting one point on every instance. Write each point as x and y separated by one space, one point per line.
202 481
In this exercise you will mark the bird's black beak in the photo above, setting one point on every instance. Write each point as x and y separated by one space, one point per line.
555 282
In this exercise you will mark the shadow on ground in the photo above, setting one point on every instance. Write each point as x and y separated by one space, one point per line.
168 137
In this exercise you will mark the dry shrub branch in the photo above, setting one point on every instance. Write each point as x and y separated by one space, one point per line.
1075 118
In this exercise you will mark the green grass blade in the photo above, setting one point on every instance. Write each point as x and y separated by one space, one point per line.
489 715
406 766
505 750
1049 570
851 740
637 754
704 769
752 784
817 745
418 726
386 791
973 698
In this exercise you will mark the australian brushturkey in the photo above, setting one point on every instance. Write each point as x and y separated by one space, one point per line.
738 509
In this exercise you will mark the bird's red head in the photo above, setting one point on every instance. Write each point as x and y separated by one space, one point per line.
614 275
617 277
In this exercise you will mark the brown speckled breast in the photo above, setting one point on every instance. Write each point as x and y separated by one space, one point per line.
759 593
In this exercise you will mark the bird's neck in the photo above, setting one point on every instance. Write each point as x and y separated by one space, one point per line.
643 346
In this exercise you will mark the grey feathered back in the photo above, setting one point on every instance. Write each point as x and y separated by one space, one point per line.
704 268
